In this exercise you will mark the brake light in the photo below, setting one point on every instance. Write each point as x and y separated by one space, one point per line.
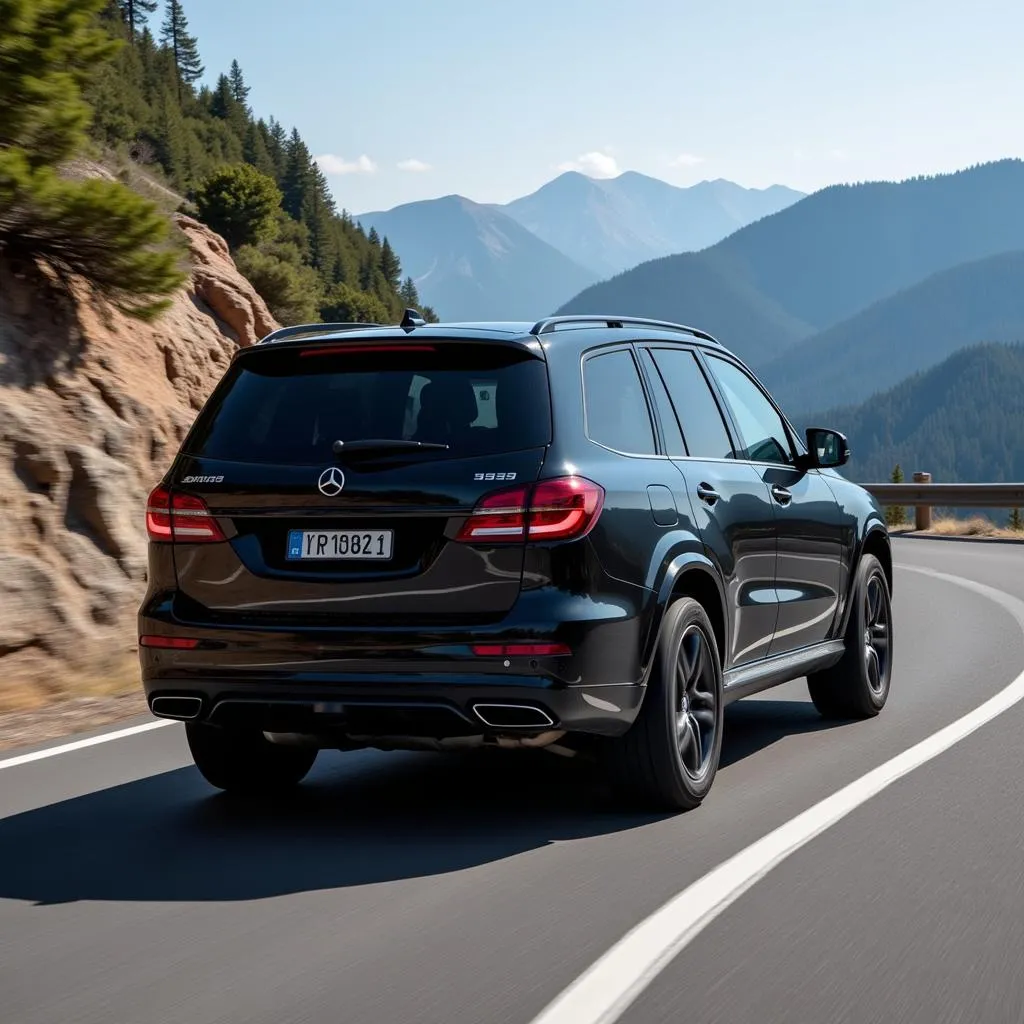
334 350
169 643
521 650
565 508
180 517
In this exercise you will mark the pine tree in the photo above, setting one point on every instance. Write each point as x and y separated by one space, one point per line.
1016 521
297 183
390 266
136 13
896 515
277 145
254 149
97 230
185 48
239 90
409 295
239 203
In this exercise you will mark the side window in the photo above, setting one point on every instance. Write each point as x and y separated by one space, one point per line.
762 433
695 405
669 424
616 408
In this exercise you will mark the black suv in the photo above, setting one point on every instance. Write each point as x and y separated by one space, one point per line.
589 532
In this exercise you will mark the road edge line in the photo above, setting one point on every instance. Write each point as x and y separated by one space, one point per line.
91 741
615 980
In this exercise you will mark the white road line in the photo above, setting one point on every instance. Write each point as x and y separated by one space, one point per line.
603 993
92 741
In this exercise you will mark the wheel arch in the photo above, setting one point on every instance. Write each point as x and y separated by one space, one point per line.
876 542
691 575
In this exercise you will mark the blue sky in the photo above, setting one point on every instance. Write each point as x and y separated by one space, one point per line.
408 100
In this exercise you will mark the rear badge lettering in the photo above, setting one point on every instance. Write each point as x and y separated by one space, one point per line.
203 480
494 476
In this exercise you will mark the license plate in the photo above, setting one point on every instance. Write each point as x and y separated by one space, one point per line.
321 545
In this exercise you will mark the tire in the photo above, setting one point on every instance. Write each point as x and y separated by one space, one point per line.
244 761
858 685
656 761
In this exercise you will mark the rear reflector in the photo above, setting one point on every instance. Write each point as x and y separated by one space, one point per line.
335 350
180 517
170 643
521 650
565 508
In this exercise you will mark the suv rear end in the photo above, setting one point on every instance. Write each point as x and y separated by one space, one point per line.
364 540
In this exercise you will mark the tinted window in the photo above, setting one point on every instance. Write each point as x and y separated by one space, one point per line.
286 407
699 416
663 404
762 432
617 413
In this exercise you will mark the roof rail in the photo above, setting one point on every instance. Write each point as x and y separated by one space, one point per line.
291 332
551 323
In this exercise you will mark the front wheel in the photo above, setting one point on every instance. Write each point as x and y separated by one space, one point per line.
245 761
858 685
669 756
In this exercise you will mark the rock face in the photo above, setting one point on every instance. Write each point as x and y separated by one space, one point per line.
92 408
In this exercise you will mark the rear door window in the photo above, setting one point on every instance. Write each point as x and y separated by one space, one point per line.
699 416
616 407
290 406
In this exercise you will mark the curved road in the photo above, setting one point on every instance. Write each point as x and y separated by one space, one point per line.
401 888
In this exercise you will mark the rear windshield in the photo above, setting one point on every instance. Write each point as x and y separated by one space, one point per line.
287 407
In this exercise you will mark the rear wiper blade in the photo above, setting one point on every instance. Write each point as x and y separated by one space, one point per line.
384 445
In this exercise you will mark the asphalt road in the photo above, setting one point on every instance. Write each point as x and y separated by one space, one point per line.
415 888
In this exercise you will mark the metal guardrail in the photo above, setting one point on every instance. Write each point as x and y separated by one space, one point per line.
923 495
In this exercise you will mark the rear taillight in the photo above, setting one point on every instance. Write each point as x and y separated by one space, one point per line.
564 508
521 650
169 643
180 517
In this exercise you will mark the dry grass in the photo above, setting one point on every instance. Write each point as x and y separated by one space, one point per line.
975 526
72 703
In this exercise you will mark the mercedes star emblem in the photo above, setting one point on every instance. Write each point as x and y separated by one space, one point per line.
331 481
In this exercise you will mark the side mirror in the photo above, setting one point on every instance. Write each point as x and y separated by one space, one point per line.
826 448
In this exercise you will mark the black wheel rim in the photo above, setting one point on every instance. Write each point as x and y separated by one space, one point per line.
876 633
696 702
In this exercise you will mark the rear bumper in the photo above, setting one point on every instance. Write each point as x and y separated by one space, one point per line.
424 681
434 708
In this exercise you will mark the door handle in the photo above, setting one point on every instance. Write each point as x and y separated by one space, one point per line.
782 495
707 494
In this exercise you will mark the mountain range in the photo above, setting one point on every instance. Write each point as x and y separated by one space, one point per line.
824 259
892 308
523 259
611 224
962 420
903 334
472 262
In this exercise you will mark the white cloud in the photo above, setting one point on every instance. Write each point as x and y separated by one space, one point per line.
413 165
838 154
596 165
332 164
686 160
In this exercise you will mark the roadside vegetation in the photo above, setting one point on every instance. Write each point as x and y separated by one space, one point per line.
93 229
248 177
92 81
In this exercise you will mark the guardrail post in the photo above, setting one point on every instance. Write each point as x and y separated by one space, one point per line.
922 513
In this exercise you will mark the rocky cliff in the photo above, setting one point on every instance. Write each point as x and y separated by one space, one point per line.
92 408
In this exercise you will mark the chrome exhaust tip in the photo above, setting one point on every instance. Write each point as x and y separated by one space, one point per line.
181 708
512 716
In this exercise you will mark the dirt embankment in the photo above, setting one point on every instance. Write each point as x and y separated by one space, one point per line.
92 408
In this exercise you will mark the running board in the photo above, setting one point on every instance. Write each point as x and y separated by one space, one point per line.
762 675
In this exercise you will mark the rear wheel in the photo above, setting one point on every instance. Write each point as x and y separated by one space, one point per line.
858 685
245 761
669 756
